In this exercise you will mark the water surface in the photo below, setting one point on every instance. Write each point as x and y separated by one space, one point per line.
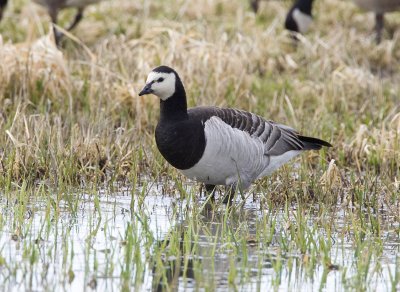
132 239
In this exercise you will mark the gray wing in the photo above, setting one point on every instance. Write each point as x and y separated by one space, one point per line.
277 138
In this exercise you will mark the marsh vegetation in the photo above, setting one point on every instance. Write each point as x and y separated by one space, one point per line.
87 200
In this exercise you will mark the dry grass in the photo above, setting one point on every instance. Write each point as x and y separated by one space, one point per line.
74 115
73 130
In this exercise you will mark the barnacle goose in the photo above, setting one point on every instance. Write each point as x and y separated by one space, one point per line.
54 6
379 7
219 146
299 17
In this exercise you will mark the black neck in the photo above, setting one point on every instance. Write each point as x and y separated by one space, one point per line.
304 6
175 107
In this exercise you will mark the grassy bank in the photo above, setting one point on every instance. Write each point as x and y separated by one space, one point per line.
71 123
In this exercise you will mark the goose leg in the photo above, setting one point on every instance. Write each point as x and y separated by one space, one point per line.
230 192
77 19
210 189
53 12
379 22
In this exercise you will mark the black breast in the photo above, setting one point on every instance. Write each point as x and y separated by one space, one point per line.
181 143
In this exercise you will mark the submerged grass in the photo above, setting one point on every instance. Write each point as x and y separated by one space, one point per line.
75 132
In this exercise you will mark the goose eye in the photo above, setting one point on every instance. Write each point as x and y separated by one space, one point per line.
161 79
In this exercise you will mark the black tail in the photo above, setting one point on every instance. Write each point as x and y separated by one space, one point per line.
313 143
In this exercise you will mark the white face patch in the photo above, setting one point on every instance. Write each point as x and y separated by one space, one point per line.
163 84
303 20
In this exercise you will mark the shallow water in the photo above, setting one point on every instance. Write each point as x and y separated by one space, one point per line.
119 241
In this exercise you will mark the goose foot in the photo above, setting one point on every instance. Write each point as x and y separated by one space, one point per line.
210 190
230 192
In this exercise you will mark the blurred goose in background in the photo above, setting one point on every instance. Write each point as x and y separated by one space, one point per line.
54 7
255 5
299 17
3 4
219 146
379 7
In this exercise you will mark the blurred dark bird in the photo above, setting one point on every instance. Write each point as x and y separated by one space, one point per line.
299 17
379 7
54 7
3 4
254 5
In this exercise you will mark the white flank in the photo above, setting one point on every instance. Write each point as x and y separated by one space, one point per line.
303 20
277 161
232 155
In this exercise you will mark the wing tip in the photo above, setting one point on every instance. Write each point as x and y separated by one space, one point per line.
311 143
